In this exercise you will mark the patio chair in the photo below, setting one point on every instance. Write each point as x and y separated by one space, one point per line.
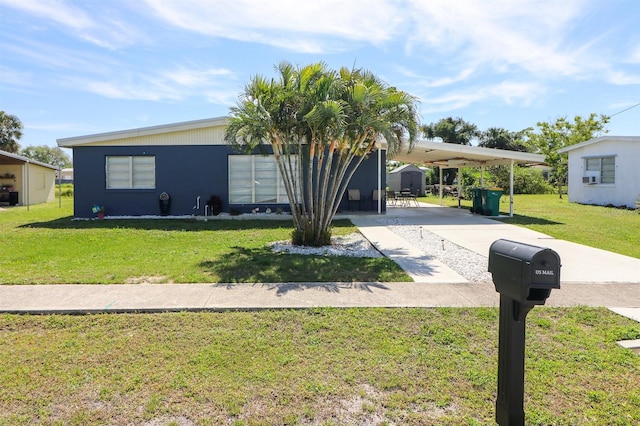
391 197
353 196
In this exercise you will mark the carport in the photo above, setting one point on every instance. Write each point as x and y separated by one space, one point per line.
447 155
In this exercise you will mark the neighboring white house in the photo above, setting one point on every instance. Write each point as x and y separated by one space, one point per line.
605 171
66 175
407 176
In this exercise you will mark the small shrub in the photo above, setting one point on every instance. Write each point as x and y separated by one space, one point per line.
65 190
526 180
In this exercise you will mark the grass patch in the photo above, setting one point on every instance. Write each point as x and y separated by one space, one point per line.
45 246
318 366
612 229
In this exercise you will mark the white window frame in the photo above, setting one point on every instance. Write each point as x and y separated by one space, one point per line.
256 179
130 172
604 166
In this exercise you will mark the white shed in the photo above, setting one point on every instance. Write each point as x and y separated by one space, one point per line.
605 171
407 176
24 181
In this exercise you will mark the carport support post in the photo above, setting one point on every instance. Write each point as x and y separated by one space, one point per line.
380 179
510 398
511 191
440 186
459 174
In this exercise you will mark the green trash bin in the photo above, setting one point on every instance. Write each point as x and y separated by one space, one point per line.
476 196
492 206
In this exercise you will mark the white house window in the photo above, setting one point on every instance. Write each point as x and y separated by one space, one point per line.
255 179
131 172
603 168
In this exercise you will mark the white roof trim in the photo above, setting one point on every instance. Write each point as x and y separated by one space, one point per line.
26 160
454 155
600 139
143 131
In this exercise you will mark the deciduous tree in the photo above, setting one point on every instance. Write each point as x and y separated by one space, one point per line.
46 154
550 137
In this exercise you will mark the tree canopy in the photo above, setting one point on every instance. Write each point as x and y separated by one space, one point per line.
452 130
10 132
320 124
45 154
550 137
499 138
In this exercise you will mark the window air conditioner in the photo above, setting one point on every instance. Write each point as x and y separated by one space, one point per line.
591 178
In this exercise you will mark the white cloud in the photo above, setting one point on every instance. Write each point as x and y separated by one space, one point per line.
526 34
47 55
58 11
437 81
511 93
634 58
13 77
211 84
103 27
194 77
621 78
288 24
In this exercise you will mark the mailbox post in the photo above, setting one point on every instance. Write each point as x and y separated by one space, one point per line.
524 275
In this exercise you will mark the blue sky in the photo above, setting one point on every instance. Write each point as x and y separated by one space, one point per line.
70 68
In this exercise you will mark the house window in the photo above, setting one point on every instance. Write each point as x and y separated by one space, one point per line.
131 172
603 167
255 179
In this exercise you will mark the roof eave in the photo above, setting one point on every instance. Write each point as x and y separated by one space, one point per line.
143 131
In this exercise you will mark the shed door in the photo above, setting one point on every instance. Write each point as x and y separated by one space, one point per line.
411 180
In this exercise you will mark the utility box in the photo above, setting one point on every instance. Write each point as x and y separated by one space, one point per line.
524 275
524 272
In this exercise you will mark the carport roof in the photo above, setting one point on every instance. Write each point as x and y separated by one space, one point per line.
450 155
9 158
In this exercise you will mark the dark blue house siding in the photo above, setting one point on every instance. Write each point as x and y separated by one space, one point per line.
185 173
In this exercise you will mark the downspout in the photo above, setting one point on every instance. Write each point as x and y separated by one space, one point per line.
59 187
482 176
511 191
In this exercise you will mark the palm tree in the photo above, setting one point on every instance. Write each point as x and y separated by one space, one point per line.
497 137
451 130
320 125
10 132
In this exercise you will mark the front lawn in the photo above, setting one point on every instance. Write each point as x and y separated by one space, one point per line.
43 245
312 367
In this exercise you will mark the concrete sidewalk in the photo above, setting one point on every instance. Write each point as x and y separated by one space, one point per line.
91 298
589 277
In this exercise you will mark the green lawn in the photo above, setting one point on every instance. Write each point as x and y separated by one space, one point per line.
45 246
317 366
612 229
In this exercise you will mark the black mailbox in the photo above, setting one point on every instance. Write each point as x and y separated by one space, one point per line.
524 276
524 272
